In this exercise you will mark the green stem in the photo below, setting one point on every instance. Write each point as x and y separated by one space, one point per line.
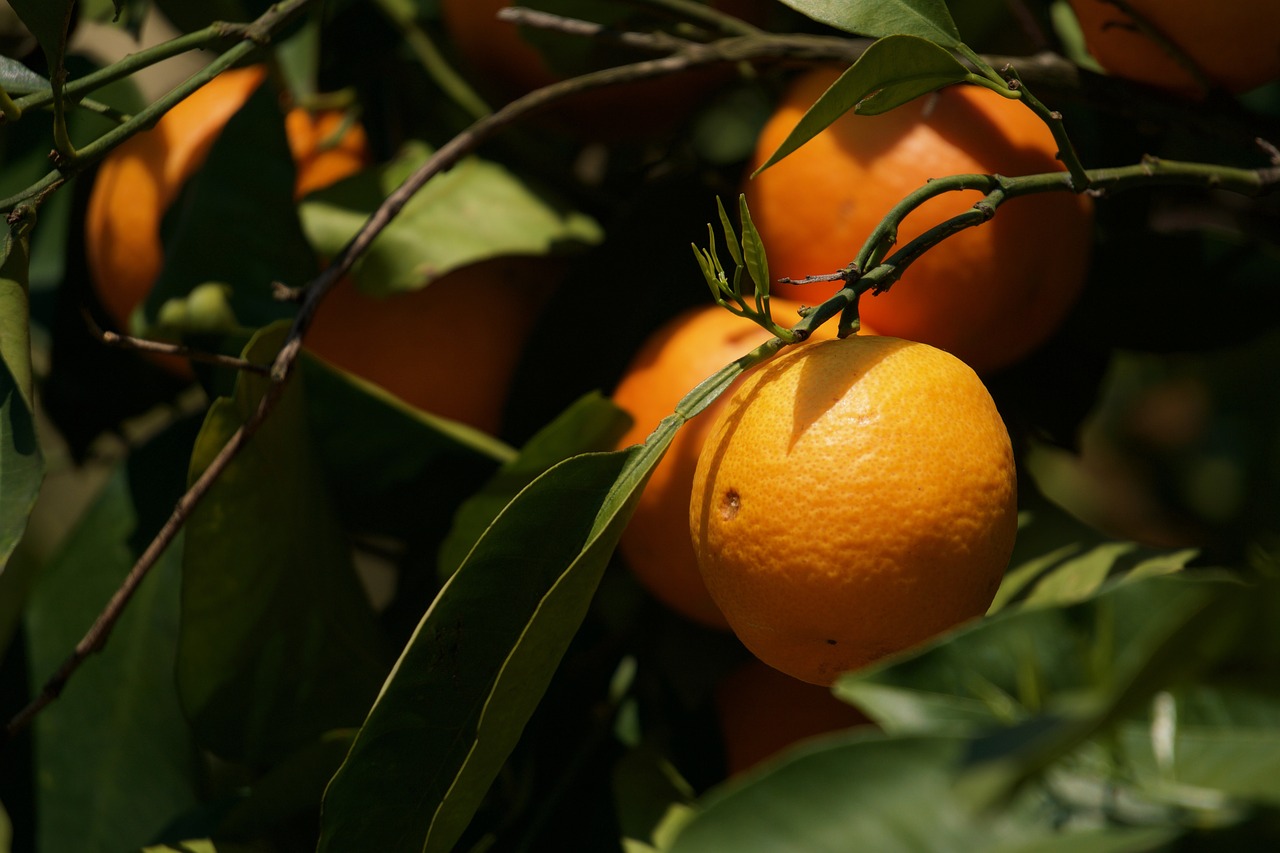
401 14
984 67
879 274
128 65
1053 120
885 234
11 111
65 151
253 35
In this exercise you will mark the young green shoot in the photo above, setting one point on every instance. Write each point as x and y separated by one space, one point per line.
748 257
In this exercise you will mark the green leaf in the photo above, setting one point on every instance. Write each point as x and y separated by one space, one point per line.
1077 578
200 845
21 462
893 71
652 799
240 232
1008 668
753 254
592 423
483 654
279 642
1210 764
18 79
48 21
478 664
928 19
115 759
476 210
392 467
1058 560
866 792
291 789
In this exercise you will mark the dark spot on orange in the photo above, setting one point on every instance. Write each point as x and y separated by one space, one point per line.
729 504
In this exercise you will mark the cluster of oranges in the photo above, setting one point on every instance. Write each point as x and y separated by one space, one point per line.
850 498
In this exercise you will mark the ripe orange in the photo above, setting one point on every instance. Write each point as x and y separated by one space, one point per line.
509 66
990 294
763 711
854 498
413 345
139 180
675 358
1235 45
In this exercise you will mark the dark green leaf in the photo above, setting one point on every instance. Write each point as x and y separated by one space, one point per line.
865 792
279 643
21 462
116 759
652 798
893 71
235 222
592 423
48 21
483 654
478 664
391 467
476 210
929 19
292 788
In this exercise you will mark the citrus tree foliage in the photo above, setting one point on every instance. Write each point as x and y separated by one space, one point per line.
368 627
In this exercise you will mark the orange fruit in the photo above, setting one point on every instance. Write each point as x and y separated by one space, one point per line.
140 179
990 294
1235 45
675 358
509 66
763 711
854 498
411 344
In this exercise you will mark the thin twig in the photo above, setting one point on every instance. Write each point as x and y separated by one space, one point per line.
115 339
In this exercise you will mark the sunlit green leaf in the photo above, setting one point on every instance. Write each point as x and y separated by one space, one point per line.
476 210
1058 559
278 643
866 792
891 72
928 19
1009 667
753 253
